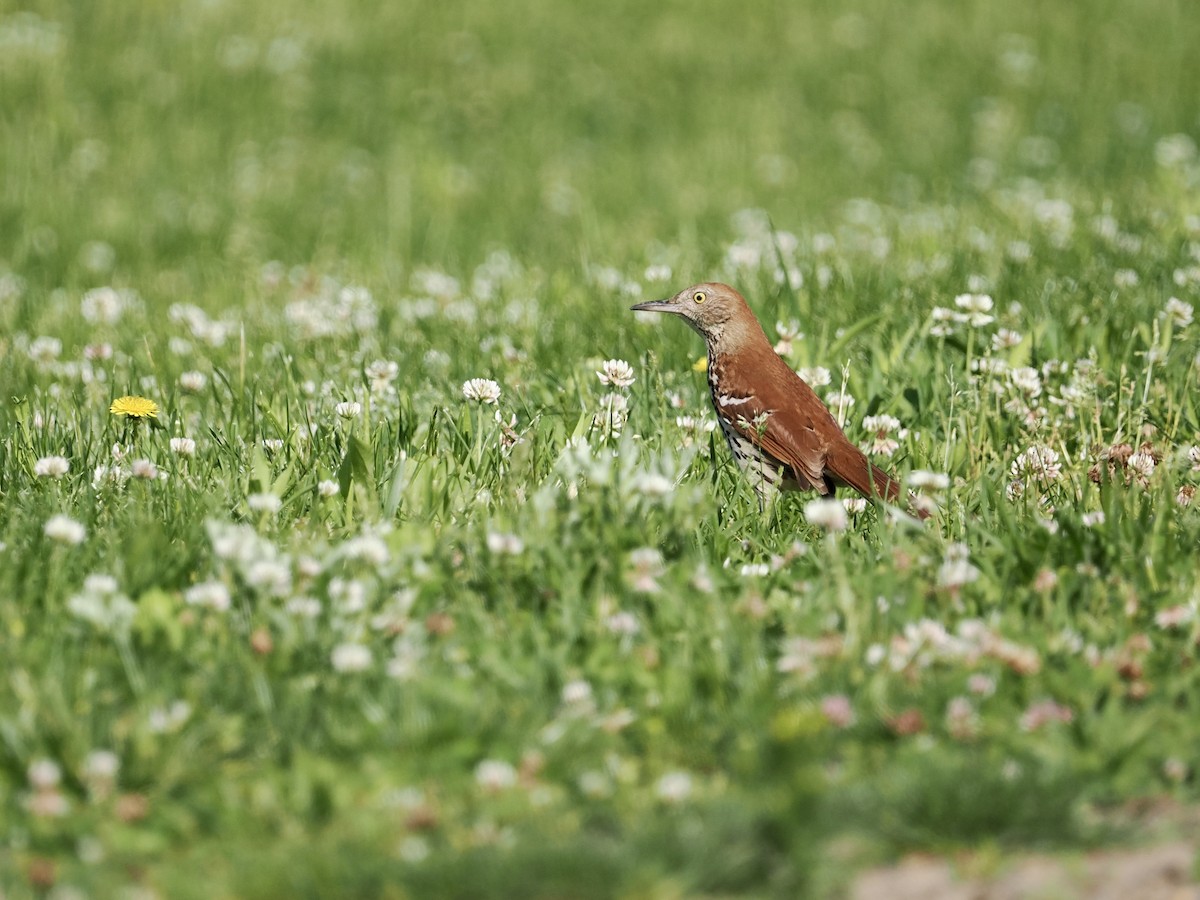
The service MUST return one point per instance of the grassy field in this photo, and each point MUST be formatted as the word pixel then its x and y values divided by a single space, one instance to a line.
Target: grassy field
pixel 339 622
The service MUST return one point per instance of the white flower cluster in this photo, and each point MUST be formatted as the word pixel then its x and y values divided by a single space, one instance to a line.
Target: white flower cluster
pixel 926 642
pixel 331 311
pixel 974 310
pixel 481 390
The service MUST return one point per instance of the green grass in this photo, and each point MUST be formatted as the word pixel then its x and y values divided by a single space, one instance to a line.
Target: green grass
pixel 571 683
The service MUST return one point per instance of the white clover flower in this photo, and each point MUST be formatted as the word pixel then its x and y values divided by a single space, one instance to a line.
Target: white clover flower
pixel 184 446
pixel 788 331
pixel 815 376
pixel 116 475
pixel 594 784
pixel 652 484
pixel 1174 616
pixel 211 594
pixel 1005 338
pixel 839 400
pixel 143 468
pixel 264 502
pixel 855 505
pixel 407 661
pixel 351 657
pixel 102 305
pixel 657 273
pixel 674 787
pixel 505 544
pixel 1175 769
pixel 977 308
pixel 272 445
pixel 51 804
pixel 1039 463
pixel 974 303
pixel 44 774
pixel 1175 151
pixel 1179 312
pixel 65 530
pixel 838 710
pixel 494 775
pixel 413 849
pixel 100 768
pixel 348 409
pixel 1126 278
pixel 623 623
pixel 924 503
pixel 981 685
pixel 45 349
pixel 436 284
pixel 328 488
pixel 481 390
pixel 881 428
pixel 826 513
pixel 881 423
pixel 100 351
pixel 193 382
pixel 100 583
pixel 164 719
pixel 743 255
pixel 1092 519
pixel 646 565
pixel 349 595
pixel 381 373
pixel 577 693
pixel 51 467
pixel 107 612
pixel 956 569
pixel 1027 380
pixel 1141 464
pixel 616 372
pixel 920 480
pixel 270 574
pixel 612 415
pixel 370 548
pixel 941 329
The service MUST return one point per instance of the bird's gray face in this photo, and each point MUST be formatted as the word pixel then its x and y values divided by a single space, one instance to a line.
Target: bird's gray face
pixel 705 307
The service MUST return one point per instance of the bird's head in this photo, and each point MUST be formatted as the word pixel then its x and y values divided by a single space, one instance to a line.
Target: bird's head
pixel 714 310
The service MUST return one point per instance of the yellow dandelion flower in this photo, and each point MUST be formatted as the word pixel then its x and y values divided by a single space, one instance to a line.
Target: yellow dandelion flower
pixel 700 365
pixel 134 408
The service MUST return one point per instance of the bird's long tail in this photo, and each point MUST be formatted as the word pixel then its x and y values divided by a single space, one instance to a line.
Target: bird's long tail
pixel 885 485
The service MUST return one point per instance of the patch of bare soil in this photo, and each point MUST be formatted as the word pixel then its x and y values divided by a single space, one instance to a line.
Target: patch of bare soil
pixel 1165 872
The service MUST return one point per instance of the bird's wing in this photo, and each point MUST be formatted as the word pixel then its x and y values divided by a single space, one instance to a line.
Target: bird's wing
pixel 806 437
pixel 790 435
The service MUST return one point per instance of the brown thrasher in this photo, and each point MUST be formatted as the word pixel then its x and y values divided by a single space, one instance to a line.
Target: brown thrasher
pixel 780 432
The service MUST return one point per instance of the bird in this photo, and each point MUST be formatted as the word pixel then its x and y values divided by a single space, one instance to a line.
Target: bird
pixel 781 434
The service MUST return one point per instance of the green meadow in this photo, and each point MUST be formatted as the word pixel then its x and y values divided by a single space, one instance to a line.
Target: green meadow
pixel 398 582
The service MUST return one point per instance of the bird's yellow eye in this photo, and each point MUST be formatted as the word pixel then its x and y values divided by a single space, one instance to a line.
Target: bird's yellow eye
pixel 699 296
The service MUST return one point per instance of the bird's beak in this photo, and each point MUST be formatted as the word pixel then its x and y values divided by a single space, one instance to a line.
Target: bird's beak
pixel 655 306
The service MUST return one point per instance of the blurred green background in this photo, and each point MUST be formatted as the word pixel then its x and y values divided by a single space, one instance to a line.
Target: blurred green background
pixel 1042 152
pixel 196 136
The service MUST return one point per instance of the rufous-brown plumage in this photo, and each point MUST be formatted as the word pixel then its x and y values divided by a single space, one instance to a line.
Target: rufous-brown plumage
pixel 780 432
